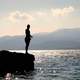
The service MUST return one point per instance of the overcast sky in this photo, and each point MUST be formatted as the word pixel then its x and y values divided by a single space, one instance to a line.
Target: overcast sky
pixel 43 15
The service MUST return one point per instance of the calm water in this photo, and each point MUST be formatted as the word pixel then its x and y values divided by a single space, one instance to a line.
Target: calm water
pixel 54 65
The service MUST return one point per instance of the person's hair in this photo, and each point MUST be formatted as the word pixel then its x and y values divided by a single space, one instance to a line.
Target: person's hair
pixel 28 26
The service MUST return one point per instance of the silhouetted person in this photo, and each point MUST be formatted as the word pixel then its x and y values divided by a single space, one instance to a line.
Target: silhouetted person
pixel 28 37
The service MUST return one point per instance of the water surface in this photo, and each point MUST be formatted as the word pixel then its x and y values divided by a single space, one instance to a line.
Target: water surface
pixel 54 65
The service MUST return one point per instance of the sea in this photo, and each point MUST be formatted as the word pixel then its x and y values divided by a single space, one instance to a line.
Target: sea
pixel 53 65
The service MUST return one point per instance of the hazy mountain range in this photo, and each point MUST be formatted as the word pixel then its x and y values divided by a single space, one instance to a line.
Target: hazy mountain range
pixel 60 39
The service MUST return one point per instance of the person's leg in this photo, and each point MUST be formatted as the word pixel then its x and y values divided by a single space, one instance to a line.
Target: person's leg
pixel 27 41
pixel 27 45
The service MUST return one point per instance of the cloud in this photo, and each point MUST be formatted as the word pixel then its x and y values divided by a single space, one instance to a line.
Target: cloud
pixel 62 12
pixel 46 15
pixel 19 16
pixel 39 13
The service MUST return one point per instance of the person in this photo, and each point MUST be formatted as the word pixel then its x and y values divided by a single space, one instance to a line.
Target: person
pixel 28 37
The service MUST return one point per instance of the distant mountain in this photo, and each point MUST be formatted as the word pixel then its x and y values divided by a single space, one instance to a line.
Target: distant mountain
pixel 60 39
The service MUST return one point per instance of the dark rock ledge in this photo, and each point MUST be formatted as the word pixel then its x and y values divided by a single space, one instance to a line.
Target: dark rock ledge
pixel 15 62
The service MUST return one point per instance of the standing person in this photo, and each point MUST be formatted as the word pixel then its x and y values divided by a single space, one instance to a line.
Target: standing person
pixel 28 37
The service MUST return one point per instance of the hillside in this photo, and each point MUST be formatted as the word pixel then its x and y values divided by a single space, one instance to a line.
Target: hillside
pixel 60 39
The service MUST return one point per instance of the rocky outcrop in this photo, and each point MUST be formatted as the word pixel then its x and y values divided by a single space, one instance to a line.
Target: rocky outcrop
pixel 15 62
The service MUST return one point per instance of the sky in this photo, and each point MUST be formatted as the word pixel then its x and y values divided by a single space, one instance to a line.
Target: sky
pixel 42 15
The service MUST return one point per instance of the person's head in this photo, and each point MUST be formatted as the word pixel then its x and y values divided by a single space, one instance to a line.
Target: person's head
pixel 28 26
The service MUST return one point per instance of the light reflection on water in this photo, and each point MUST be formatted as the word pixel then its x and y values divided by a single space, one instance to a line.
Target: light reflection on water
pixel 54 65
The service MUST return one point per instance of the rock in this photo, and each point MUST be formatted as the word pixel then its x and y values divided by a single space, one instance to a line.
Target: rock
pixel 12 62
